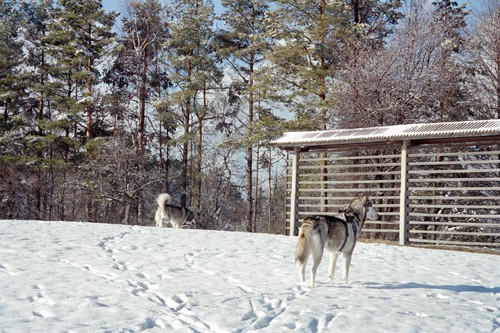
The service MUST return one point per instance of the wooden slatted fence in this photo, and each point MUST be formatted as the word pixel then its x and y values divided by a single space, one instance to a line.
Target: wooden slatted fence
pixel 327 180
pixel 454 192
pixel 451 194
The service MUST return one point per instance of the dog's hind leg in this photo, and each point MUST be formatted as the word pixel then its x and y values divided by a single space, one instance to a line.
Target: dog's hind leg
pixel 302 253
pixel 158 219
pixel 331 266
pixel 317 251
pixel 347 263
pixel 316 262
pixel 301 261
pixel 302 269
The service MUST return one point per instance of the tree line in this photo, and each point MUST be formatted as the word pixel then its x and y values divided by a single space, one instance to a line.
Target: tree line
pixel 100 112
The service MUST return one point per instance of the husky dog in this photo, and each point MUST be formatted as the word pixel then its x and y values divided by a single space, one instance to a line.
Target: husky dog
pixel 174 215
pixel 337 235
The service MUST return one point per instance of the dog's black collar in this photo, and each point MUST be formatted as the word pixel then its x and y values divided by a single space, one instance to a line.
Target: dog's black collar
pixel 350 219
pixel 346 235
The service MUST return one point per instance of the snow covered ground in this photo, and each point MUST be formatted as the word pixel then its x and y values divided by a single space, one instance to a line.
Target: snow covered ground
pixel 82 277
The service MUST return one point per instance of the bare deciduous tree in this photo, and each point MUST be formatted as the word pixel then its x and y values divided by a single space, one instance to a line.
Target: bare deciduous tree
pixel 415 78
pixel 486 53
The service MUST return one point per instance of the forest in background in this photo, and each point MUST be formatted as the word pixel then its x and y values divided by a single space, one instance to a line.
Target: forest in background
pixel 100 112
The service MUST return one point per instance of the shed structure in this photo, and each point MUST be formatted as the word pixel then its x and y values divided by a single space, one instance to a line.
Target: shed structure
pixel 434 183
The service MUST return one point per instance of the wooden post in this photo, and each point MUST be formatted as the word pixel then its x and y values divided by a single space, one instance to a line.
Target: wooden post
pixel 403 199
pixel 294 200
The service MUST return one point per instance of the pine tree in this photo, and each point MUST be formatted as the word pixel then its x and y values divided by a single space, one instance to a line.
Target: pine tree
pixel 85 33
pixel 243 44
pixel 376 19
pixel 38 61
pixel 453 21
pixel 188 47
pixel 144 32
pixel 80 35
pixel 308 39
pixel 11 56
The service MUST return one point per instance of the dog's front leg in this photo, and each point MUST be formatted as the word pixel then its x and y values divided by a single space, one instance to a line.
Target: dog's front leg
pixel 331 266
pixel 347 263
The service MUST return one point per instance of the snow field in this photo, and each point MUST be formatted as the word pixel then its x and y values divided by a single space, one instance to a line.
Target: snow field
pixel 83 277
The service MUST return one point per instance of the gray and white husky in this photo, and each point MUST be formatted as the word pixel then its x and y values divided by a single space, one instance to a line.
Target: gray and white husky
pixel 336 234
pixel 175 215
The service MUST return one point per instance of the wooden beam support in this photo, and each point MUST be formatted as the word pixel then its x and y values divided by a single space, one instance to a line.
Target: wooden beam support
pixel 294 195
pixel 403 200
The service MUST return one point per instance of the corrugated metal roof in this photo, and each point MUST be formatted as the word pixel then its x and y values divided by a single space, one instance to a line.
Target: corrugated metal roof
pixel 390 133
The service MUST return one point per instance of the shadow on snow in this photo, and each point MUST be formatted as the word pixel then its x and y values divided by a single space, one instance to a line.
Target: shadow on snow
pixel 413 285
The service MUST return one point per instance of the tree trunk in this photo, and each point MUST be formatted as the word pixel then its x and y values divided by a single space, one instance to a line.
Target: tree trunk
pixel 62 198
pixel 269 192
pixel 90 106
pixel 256 199
pixel 185 150
pixel 41 100
pixel 142 105
pixel 249 156
pixel 126 216
pixel 185 154
pixel 498 81
pixel 201 116
pixel 89 208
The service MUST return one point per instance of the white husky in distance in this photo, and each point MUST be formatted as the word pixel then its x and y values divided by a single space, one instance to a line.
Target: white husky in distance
pixel 335 234
pixel 175 215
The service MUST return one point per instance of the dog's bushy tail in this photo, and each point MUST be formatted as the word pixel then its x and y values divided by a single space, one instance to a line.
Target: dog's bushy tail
pixel 303 244
pixel 162 199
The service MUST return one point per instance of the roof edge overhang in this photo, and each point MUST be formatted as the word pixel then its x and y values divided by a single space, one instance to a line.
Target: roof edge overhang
pixel 480 130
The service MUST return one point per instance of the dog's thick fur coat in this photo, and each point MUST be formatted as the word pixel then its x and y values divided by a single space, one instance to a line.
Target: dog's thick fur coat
pixel 336 234
pixel 166 213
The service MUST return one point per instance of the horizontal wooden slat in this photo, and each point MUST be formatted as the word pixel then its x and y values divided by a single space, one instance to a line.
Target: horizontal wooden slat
pixel 346 158
pixel 454 206
pixel 380 230
pixel 442 180
pixel 344 166
pixel 346 199
pixel 455 215
pixel 370 222
pixel 447 154
pixel 412 163
pixel 461 233
pixel 345 190
pixel 429 241
pixel 344 182
pixel 342 206
pixel 459 171
pixel 456 224
pixel 316 212
pixel 349 193
pixel 445 198
pixel 461 189
pixel 350 174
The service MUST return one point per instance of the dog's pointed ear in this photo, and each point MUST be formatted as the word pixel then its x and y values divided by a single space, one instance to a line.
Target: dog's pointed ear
pixel 346 211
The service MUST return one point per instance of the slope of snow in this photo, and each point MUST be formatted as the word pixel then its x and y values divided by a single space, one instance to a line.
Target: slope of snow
pixel 82 277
